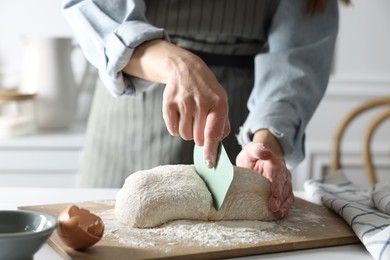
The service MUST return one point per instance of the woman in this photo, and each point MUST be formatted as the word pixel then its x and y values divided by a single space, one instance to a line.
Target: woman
pixel 190 68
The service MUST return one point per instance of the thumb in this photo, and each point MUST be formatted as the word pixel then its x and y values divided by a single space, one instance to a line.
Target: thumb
pixel 265 155
pixel 258 151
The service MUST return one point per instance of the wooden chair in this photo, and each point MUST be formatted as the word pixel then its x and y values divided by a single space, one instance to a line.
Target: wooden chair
pixel 367 139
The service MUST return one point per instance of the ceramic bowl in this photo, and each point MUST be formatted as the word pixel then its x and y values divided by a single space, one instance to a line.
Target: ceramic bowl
pixel 23 232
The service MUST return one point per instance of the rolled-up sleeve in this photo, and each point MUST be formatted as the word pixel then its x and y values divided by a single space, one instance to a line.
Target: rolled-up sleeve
pixel 108 32
pixel 291 78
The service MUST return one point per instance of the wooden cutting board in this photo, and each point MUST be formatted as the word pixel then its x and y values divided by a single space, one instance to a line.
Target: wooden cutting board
pixel 306 226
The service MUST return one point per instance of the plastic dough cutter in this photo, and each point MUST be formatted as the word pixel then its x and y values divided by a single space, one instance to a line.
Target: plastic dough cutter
pixel 217 179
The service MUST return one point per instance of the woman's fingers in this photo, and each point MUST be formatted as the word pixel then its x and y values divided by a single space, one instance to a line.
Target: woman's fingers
pixel 192 120
pixel 199 124
pixel 213 135
pixel 227 128
pixel 186 120
pixel 283 209
pixel 281 179
pixel 171 117
pixel 282 195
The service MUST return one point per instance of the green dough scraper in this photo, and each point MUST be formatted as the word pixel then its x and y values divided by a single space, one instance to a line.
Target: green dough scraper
pixel 217 179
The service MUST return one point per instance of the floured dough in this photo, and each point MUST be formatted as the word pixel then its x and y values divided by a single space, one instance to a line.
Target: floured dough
pixel 152 197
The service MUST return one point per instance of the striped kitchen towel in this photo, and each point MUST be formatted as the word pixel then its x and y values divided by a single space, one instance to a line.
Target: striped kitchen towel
pixel 366 210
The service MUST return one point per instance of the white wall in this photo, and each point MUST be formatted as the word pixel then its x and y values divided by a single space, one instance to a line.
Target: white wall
pixel 361 72
pixel 364 40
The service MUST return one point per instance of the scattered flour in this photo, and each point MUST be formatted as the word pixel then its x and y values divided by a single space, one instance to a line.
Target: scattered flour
pixel 211 234
pixel 196 233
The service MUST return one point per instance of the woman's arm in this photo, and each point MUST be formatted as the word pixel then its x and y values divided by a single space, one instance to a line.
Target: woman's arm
pixel 195 105
pixel 291 78
pixel 108 33
pixel 117 38
pixel 290 81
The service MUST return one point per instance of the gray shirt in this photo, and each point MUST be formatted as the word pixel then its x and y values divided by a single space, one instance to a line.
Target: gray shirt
pixel 293 51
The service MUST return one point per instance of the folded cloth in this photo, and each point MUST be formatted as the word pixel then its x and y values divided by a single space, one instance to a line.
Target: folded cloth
pixel 381 197
pixel 366 210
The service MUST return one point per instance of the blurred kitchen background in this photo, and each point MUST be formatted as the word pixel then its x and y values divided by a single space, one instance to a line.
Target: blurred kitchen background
pixel 49 155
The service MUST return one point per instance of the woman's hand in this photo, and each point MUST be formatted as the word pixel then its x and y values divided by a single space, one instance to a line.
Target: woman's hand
pixel 195 105
pixel 271 165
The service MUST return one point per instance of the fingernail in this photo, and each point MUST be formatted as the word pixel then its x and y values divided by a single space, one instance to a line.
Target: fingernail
pixel 209 163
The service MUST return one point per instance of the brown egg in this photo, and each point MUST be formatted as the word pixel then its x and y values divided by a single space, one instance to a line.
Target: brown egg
pixel 78 228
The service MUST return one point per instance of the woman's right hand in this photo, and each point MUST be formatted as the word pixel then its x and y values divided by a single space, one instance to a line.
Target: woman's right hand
pixel 195 105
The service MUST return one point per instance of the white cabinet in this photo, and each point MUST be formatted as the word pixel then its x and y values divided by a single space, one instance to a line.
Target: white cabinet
pixel 44 159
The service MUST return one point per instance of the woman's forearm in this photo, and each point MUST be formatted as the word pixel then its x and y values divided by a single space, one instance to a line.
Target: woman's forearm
pixel 157 60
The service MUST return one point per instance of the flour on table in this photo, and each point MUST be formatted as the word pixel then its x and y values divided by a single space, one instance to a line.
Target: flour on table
pixel 210 234
pixel 175 192
pixel 194 232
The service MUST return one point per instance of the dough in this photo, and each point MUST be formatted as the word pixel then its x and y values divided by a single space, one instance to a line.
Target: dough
pixel 153 197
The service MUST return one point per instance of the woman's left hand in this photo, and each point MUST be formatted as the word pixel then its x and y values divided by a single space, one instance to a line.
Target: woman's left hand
pixel 257 157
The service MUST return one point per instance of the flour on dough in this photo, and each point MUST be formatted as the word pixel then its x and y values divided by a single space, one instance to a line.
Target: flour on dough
pixel 156 196
pixel 153 197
